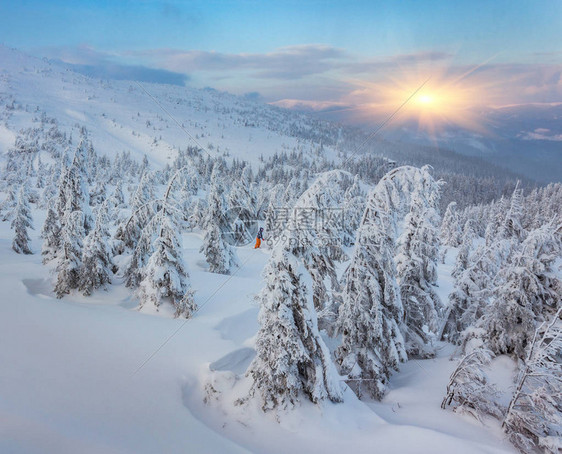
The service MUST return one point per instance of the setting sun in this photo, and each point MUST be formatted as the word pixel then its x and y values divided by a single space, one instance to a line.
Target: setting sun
pixel 424 99
pixel 443 99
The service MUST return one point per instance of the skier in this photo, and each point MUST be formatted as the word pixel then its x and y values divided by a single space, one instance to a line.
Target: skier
pixel 259 238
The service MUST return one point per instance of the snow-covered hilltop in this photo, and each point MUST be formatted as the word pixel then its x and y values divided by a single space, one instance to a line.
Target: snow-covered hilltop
pixel 123 115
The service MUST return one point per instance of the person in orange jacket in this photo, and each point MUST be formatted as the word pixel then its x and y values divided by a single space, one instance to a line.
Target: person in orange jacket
pixel 259 238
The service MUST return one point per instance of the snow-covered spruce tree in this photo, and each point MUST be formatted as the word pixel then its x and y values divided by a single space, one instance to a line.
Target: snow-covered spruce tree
pixel 466 247
pixel 242 205
pixel 197 212
pixel 511 226
pixel 21 222
pixel 8 204
pixel 372 312
pixel 354 205
pixel 183 199
pixel 291 360
pixel 217 252
pixel 498 213
pixel 51 234
pixel 416 265
pixel 475 283
pixel 98 194
pixel 318 227
pixel 96 258
pixel 241 194
pixel 275 213
pixel 291 194
pixel 70 261
pixel 157 266
pixel 117 198
pixel 469 390
pixel 73 194
pixel 527 289
pixel 144 192
pixel 165 278
pixel 469 297
pixel 129 232
pixel 50 192
pixel 533 419
pixel 220 255
pixel 451 229
pixel 369 318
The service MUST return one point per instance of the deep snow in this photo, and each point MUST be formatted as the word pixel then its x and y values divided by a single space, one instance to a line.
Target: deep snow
pixel 72 379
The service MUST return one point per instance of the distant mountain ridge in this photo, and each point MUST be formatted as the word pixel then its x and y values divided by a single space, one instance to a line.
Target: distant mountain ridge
pixel 158 119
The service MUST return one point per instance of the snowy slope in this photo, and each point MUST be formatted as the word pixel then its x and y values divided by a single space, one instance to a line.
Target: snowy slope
pixel 151 119
pixel 71 381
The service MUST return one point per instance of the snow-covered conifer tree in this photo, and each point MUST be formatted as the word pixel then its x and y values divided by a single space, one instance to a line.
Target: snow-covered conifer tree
pixel 144 192
pixel 291 359
pixel 533 419
pixel 416 265
pixel 527 288
pixel 129 232
pixel 197 212
pixel 98 194
pixel 469 390
pixel 216 250
pixel 165 278
pixel 511 226
pixel 8 204
pixel 220 255
pixel 21 222
pixel 317 223
pixel 117 198
pixel 276 215
pixel 354 205
pixel 51 234
pixel 469 297
pixel 498 213
pixel 451 229
pixel 466 247
pixel 73 193
pixel 241 194
pixel 96 257
pixel 372 343
pixel 242 204
pixel 70 262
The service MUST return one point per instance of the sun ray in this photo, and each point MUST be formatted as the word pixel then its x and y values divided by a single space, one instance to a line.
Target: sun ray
pixel 448 99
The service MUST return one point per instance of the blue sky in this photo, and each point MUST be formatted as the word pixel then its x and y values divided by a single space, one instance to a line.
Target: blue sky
pixel 315 51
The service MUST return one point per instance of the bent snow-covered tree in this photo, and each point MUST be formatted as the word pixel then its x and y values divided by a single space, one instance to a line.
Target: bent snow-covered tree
pixel 164 277
pixel 533 419
pixel 317 223
pixel 369 318
pixel 469 390
pixel 416 265
pixel 528 290
pixel 291 359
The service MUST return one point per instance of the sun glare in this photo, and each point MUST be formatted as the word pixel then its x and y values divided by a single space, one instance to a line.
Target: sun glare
pixel 425 99
pixel 444 100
